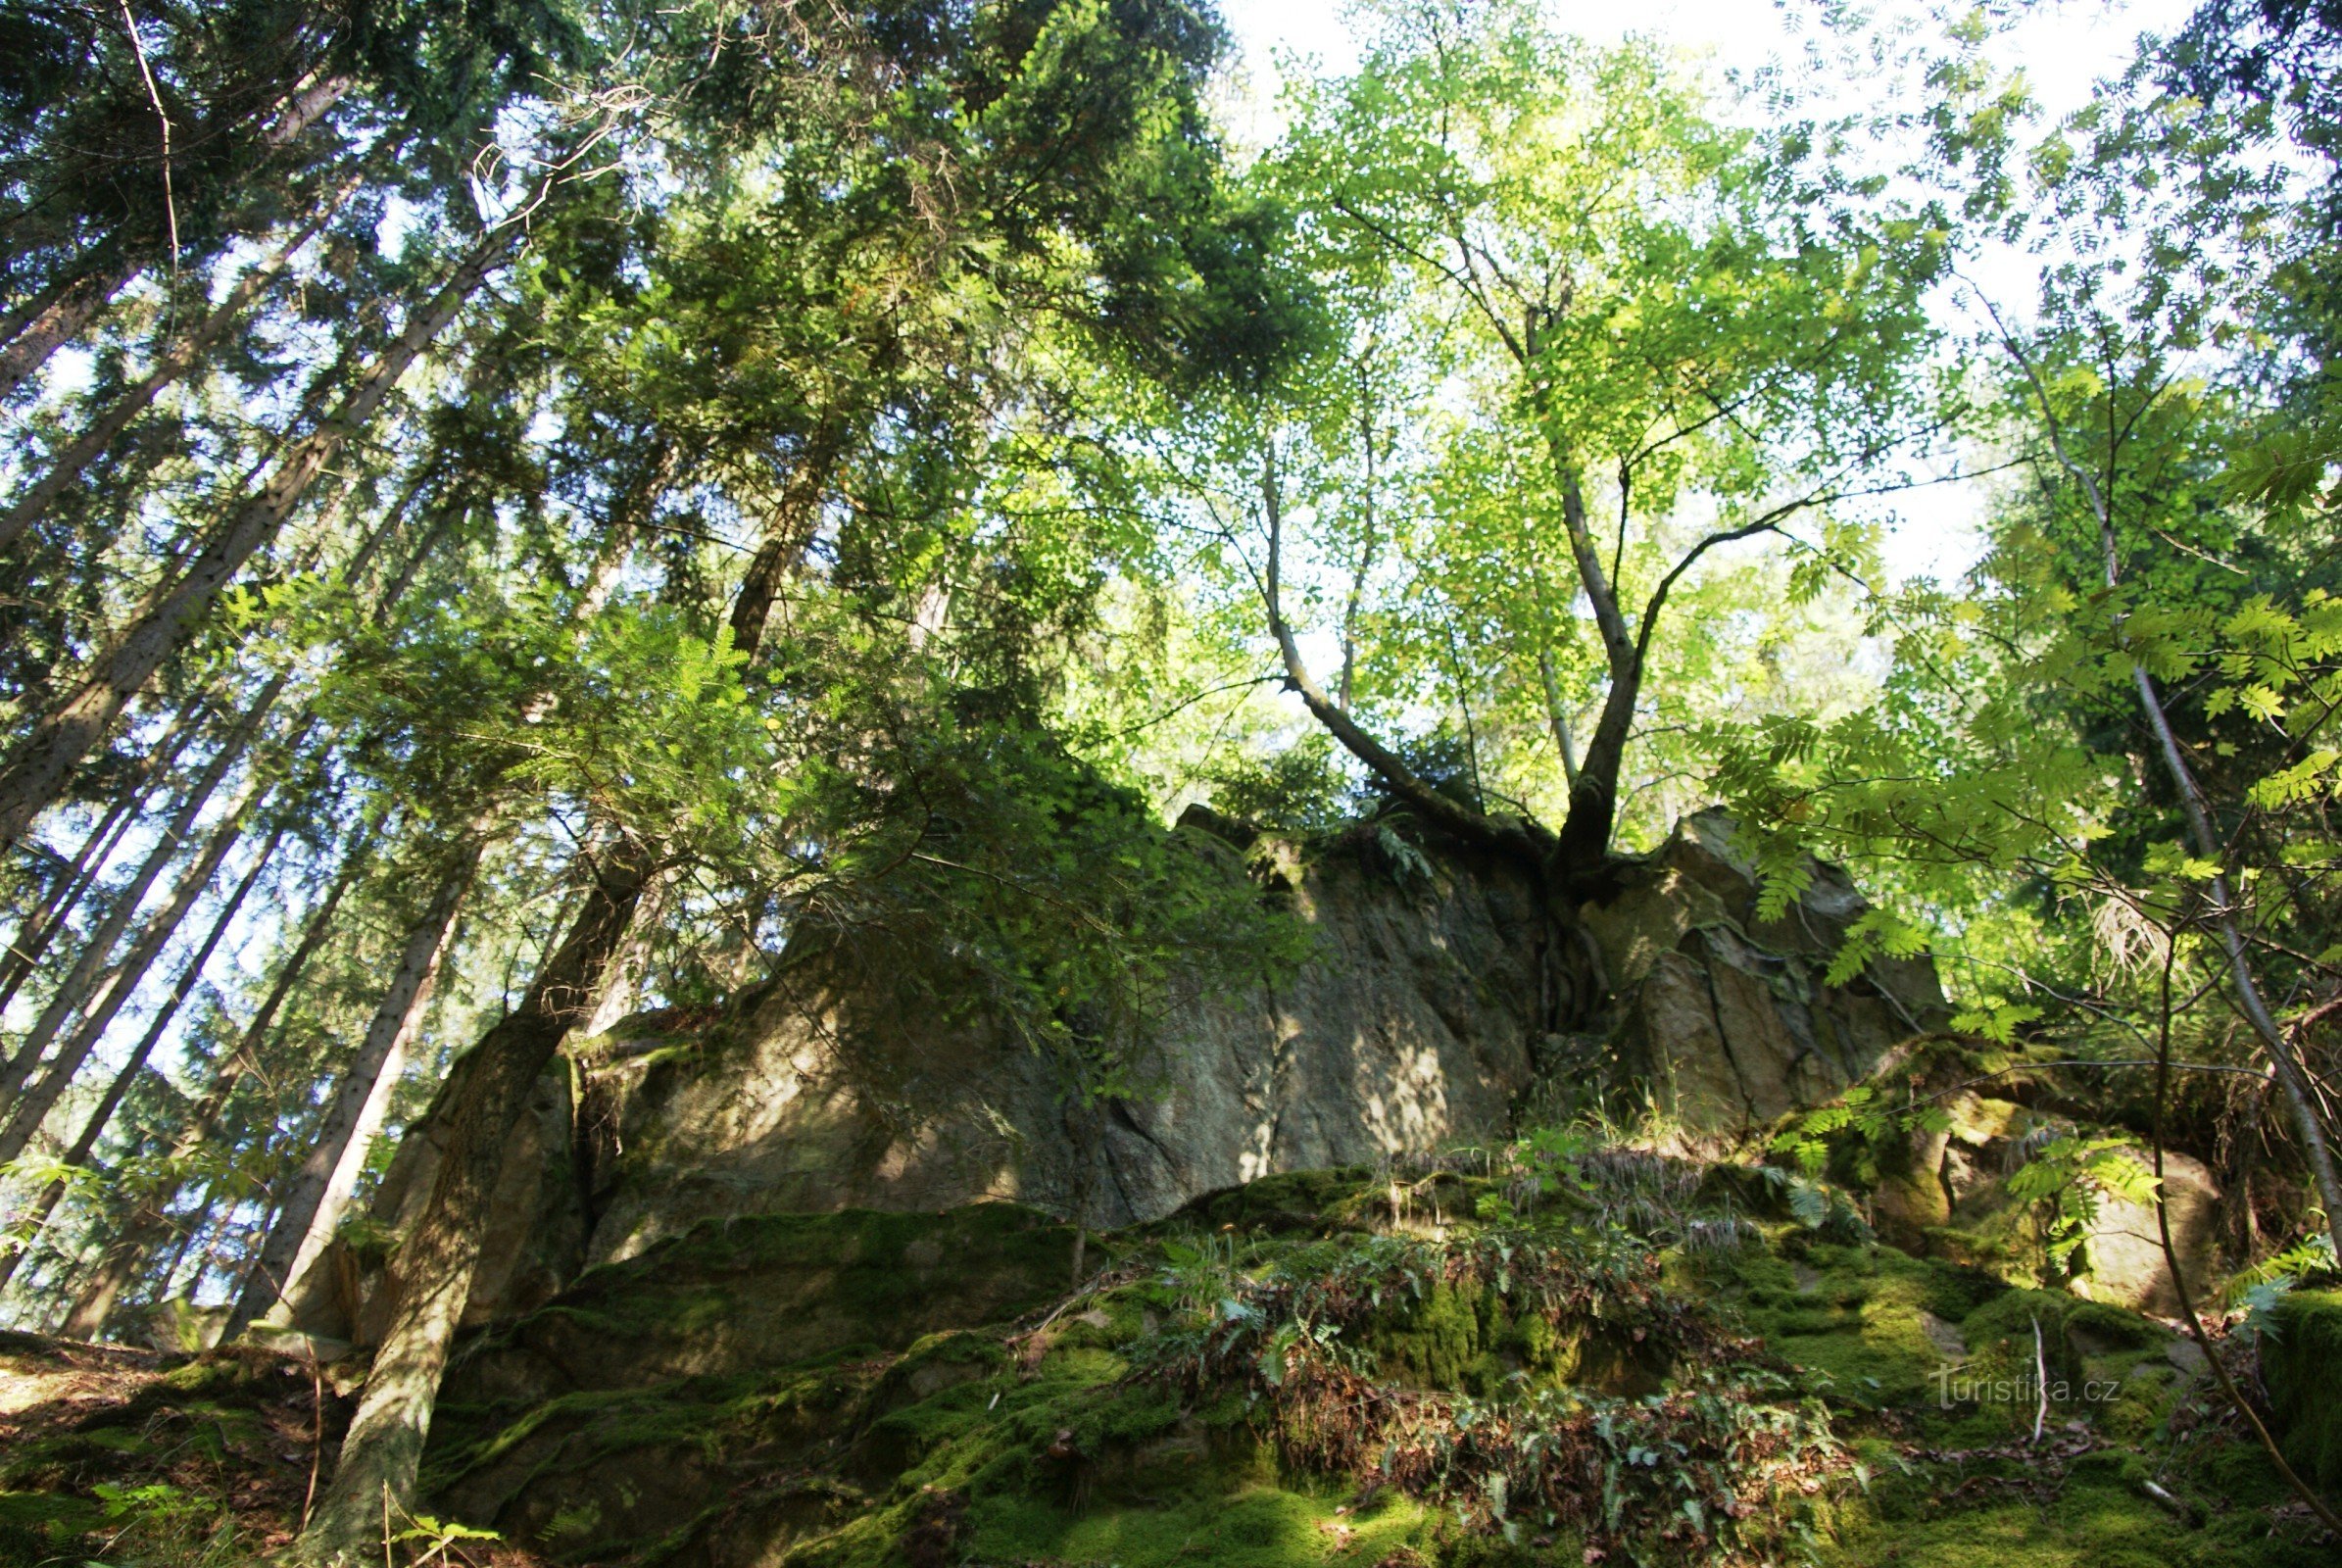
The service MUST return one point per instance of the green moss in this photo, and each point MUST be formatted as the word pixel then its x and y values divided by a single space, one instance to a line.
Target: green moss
pixel 1469 1338
pixel 864 1391
pixel 2100 1518
pixel 45 1528
pixel 2301 1361
pixel 1282 1199
pixel 1870 1321
pixel 1241 1522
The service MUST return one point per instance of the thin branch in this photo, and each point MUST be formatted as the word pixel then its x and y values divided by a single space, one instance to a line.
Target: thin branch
pixel 171 206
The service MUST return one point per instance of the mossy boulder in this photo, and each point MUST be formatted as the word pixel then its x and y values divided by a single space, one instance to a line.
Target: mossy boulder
pixel 2300 1362
pixel 1294 1374
pixel 768 1290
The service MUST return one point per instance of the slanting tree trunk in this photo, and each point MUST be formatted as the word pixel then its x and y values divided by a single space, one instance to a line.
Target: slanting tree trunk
pixel 29 943
pixel 788 533
pixel 67 464
pixel 48 915
pixel 311 1207
pixel 63 320
pixel 128 811
pixel 34 1106
pixel 45 760
pixel 95 1127
pixel 150 1223
pixel 2317 1152
pixel 15 320
pixel 438 1259
pixel 1452 816
pixel 74 989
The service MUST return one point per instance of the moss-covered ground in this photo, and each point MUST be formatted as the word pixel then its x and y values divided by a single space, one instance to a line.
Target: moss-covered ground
pixel 1340 1368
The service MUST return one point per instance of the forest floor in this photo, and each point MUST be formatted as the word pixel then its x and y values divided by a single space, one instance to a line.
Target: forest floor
pixel 1336 1368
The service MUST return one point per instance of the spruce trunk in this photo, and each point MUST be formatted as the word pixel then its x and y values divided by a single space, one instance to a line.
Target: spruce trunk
pixel 438 1259
pixel 45 760
pixel 173 362
pixel 34 1106
pixel 62 320
pixel 150 1224
pixel 312 1205
pixel 75 990
pixel 95 1127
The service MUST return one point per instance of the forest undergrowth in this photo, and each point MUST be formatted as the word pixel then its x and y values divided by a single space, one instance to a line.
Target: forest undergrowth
pixel 1562 1351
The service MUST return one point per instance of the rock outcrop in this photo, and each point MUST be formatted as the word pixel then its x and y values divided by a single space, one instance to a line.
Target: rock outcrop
pixel 1419 1020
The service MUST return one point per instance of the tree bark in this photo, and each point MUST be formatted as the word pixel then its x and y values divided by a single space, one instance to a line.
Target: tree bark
pixel 34 1106
pixel 95 1127
pixel 150 1223
pixel 1585 837
pixel 41 924
pixel 61 322
pixel 74 989
pixel 436 1264
pixel 1583 841
pixel 787 535
pixel 173 362
pixel 311 1207
pixel 46 759
pixel 17 316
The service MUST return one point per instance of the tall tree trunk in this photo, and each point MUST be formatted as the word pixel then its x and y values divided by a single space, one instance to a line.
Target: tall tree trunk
pixel 440 1257
pixel 1584 842
pixel 62 320
pixel 45 760
pixel 66 465
pixel 34 1106
pixel 788 533
pixel 41 924
pixel 128 809
pixel 150 1223
pixel 95 1127
pixel 15 320
pixel 73 991
pixel 311 1207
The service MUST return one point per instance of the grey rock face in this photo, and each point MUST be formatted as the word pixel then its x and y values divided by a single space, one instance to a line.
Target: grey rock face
pixel 1411 1026
pixel 1419 1020
pixel 1724 1017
